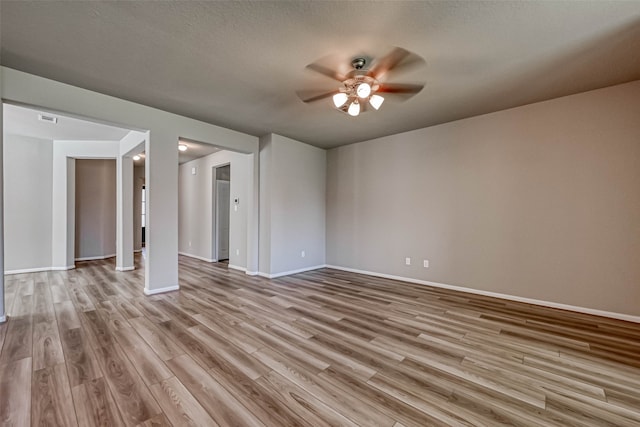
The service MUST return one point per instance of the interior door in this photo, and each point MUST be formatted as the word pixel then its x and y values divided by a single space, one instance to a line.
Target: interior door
pixel 222 219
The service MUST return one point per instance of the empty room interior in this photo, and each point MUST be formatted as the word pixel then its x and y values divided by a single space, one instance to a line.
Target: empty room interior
pixel 292 213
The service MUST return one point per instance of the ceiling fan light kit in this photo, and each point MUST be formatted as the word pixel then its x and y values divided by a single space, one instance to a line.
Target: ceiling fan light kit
pixel 363 90
pixel 376 101
pixel 361 87
pixel 354 108
pixel 339 99
pixel 357 90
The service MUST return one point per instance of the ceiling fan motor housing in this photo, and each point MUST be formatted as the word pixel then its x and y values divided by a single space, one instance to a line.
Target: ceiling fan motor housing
pixel 358 63
pixel 351 84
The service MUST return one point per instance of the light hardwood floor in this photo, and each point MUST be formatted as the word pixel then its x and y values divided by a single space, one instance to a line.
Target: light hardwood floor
pixel 86 347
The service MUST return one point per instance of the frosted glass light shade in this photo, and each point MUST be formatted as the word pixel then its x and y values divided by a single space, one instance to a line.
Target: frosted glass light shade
pixel 182 147
pixel 354 109
pixel 339 99
pixel 376 101
pixel 363 90
pixel 136 157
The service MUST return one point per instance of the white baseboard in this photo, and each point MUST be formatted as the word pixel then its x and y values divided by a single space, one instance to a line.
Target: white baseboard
pixel 94 258
pixel 287 273
pixel 3 319
pixel 28 270
pixel 237 267
pixel 137 250
pixel 125 268
pixel 161 290
pixel 251 273
pixel 201 258
pixel 39 269
pixel 63 268
pixel 592 311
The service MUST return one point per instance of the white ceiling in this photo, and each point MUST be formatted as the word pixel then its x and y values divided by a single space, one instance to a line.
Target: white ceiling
pixel 238 64
pixel 20 120
pixel 195 150
pixel 24 121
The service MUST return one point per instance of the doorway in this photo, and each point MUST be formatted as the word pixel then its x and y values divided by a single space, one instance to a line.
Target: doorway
pixel 222 194
pixel 214 206
pixel 95 209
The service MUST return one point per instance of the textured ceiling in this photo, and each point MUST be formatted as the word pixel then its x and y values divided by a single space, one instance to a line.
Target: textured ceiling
pixel 238 64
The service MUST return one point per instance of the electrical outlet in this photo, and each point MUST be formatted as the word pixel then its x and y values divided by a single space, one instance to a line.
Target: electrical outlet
pixel 189 243
pixel 425 263
pixel 302 254
pixel 237 251
pixel 407 261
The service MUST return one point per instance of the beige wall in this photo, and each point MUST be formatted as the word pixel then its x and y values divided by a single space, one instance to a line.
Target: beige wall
pixel 541 201
pixel 95 203
pixel 292 205
pixel 196 201
pixel 27 202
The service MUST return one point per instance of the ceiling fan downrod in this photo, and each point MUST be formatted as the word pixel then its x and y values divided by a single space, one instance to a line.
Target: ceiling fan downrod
pixel 358 63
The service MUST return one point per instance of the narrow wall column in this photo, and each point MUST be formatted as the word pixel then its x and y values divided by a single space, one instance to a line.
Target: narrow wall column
pixel 63 210
pixel 70 253
pixel 3 315
pixel 161 183
pixel 124 216
pixel 253 214
pixel 264 205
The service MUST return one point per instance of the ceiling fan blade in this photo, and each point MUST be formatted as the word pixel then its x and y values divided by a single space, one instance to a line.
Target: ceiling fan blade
pixel 325 71
pixel 389 61
pixel 311 96
pixel 405 88
pixel 409 63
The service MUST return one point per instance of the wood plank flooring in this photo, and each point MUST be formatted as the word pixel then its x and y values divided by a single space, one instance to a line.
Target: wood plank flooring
pixel 85 347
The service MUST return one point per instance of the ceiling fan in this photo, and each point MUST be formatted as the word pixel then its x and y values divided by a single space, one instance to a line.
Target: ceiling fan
pixel 364 85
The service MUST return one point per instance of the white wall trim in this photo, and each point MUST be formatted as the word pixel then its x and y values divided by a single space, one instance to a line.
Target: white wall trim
pixel 39 269
pixel 201 258
pixel 287 273
pixel 137 250
pixel 63 268
pixel 585 310
pixel 237 267
pixel 28 270
pixel 251 273
pixel 161 290
pixel 125 268
pixel 93 258
pixel 3 319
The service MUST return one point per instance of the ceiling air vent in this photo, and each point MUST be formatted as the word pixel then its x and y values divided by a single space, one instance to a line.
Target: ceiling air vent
pixel 48 119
